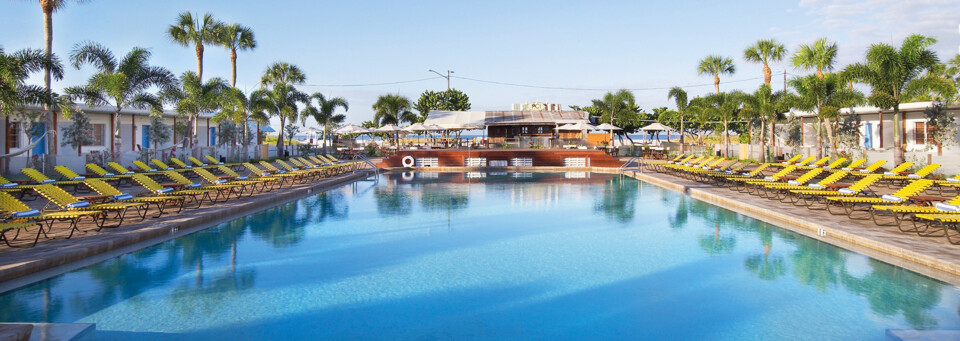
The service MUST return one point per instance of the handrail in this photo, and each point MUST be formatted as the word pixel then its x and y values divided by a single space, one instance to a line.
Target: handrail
pixel 367 161
pixel 639 161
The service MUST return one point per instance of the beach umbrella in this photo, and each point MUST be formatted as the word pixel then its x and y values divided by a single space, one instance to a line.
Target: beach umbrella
pixel 577 126
pixel 418 128
pixel 351 129
pixel 390 128
pixel 608 126
pixel 656 127
pixel 267 129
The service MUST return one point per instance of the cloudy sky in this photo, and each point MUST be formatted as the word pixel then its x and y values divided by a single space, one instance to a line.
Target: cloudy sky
pixel 564 52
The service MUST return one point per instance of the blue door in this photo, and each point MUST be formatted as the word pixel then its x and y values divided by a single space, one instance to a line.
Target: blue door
pixel 213 136
pixel 41 147
pixel 145 136
pixel 868 136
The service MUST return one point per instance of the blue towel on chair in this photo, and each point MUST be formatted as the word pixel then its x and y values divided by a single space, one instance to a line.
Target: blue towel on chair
pixel 25 214
pixel 79 204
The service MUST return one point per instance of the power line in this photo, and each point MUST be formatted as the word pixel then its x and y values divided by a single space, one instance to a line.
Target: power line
pixel 372 84
pixel 595 89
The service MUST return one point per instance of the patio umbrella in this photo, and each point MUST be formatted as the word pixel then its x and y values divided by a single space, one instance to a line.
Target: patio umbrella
pixel 434 127
pixel 657 127
pixel 579 126
pixel 267 129
pixel 390 128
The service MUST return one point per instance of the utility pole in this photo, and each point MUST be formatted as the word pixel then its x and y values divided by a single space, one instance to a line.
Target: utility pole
pixel 441 75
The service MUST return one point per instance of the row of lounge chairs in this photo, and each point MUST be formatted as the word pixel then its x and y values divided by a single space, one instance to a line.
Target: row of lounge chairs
pixel 840 190
pixel 162 188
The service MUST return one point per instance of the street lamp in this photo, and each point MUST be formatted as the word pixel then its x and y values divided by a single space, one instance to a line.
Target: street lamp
pixel 441 75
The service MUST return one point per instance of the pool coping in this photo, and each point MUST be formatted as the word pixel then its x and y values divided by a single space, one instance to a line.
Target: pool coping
pixel 899 256
pixel 68 255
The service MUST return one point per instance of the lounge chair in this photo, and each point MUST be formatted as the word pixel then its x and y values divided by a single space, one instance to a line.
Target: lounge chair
pixel 161 202
pixel 900 178
pixel 244 185
pixel 816 164
pixel 871 169
pixel 809 159
pixel 294 175
pixel 778 190
pixel 747 185
pixel 104 174
pixel 223 190
pixel 810 197
pixel 39 178
pixel 144 167
pixel 66 201
pixel 180 164
pixel 17 212
pixel 853 204
pixel 161 166
pixel 855 165
pixel 197 196
pixel 268 181
pixel 792 160
pixel 120 169
pixel 13 187
pixel 836 163
pixel 947 222
pixel 69 174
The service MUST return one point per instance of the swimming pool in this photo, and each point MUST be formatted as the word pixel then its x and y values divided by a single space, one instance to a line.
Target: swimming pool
pixel 494 256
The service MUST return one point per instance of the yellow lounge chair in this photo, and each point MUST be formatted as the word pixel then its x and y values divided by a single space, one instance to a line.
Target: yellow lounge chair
pixel 948 223
pixel 223 191
pixel 67 202
pixel 39 178
pixel 18 212
pixel 196 195
pixel 851 204
pixel 792 160
pixel 161 202
pixel 244 185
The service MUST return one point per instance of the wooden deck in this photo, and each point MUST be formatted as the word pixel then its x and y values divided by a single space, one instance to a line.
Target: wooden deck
pixel 539 157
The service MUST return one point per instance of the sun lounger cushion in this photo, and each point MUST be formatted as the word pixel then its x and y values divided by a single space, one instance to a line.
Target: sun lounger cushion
pixel 947 207
pixel 241 178
pixel 890 197
pixel 221 181
pixel 827 167
pixel 123 196
pixel 109 174
pixel 187 166
pixel 152 170
pixel 769 178
pixel 164 190
pixel 815 186
pixel 745 174
pixel 24 214
pixel 219 163
pixel 168 168
pixel 953 180
pixel 864 171
pixel 48 181
pixel 78 178
pixel 10 185
pixel 203 164
pixel 889 173
pixel 915 176
pixel 129 172
pixel 846 191
pixel 79 204
pixel 193 186
pixel 793 182
pixel 846 169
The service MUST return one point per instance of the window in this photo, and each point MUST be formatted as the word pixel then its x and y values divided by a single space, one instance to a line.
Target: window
pixel 540 130
pixel 920 132
pixel 98 134
pixel 13 135
pixel 524 130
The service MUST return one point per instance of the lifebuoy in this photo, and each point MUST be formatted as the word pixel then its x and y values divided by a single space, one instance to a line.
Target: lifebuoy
pixel 407 176
pixel 407 161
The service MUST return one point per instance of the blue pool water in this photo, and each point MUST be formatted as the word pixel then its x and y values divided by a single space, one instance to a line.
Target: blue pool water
pixel 492 256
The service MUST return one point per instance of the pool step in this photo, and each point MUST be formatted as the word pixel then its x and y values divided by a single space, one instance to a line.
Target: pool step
pixel 925 335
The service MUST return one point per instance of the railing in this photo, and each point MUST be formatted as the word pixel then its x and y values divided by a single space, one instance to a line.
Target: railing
pixel 367 161
pixel 637 159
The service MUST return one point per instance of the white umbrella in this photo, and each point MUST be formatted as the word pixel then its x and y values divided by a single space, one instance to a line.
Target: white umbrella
pixel 608 126
pixel 351 129
pixel 657 127
pixel 577 126
pixel 434 127
pixel 416 127
pixel 390 128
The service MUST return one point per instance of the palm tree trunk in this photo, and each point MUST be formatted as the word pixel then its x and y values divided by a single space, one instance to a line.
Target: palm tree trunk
pixel 819 139
pixel 897 139
pixel 233 68
pixel 830 138
pixel 763 140
pixel 681 132
pixel 716 82
pixel 324 138
pixel 116 134
pixel 200 62
pixel 280 137
pixel 47 6
pixel 767 74
pixel 246 140
pixel 773 135
pixel 726 137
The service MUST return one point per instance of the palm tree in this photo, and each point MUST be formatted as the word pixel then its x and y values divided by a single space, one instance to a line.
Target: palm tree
pixel 392 109
pixel 820 56
pixel 824 97
pixel 325 114
pixel 716 65
pixel 726 107
pixel 15 68
pixel 235 37
pixel 616 104
pixel 240 108
pixel 197 31
pixel 125 83
pixel 194 97
pixel 764 51
pixel 680 97
pixel 281 101
pixel 765 105
pixel 282 73
pixel 890 71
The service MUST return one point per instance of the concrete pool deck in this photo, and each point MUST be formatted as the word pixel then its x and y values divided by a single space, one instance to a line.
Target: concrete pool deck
pixel 22 266
pixel 931 256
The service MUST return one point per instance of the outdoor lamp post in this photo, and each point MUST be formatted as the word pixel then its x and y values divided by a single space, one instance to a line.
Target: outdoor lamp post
pixel 441 75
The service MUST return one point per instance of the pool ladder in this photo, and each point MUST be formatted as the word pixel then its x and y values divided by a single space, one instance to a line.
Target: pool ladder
pixel 637 159
pixel 364 159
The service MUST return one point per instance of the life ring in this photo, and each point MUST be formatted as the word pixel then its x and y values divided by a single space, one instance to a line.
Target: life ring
pixel 407 161
pixel 407 176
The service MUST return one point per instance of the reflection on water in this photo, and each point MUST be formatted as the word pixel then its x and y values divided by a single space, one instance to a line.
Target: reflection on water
pixel 293 245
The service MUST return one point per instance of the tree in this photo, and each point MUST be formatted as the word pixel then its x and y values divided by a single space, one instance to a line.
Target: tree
pixel 79 133
pixel 679 97
pixel 824 97
pixel 49 7
pixel 159 131
pixel 613 105
pixel 764 51
pixel 238 108
pixel 125 83
pixel 235 37
pixel 198 31
pixel 820 56
pixel 15 68
pixel 889 71
pixel 392 109
pixel 766 106
pixel 716 65
pixel 941 126
pixel 325 113
pixel 281 101
pixel 726 106
pixel 194 97
pixel 448 100
pixel 282 73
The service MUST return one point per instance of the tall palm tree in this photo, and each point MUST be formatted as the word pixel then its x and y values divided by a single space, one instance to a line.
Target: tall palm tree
pixel 240 108
pixel 680 98
pixel 764 51
pixel 281 101
pixel 616 104
pixel 194 97
pixel 820 56
pixel 282 73
pixel 716 65
pixel 15 68
pixel 126 82
pixel 765 105
pixel 824 97
pixel 392 109
pixel 325 113
pixel 49 7
pixel 235 37
pixel 726 106
pixel 197 31
pixel 889 71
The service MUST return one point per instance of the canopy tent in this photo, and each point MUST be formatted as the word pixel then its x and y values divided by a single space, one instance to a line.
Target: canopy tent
pixel 456 120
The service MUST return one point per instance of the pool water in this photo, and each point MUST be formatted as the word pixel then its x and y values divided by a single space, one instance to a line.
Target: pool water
pixel 492 256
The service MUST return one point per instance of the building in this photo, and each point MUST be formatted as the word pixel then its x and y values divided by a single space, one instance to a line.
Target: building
pixel 524 126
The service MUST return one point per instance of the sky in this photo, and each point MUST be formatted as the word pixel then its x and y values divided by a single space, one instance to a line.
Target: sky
pixel 584 47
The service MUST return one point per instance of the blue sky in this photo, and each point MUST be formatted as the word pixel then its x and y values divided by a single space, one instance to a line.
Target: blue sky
pixel 597 44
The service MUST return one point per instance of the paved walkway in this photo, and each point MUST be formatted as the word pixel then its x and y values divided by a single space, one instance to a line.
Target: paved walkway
pixel 931 256
pixel 19 266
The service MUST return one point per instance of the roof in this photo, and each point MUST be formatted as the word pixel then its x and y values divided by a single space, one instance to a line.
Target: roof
pixel 125 111
pixel 479 119
pixel 865 110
